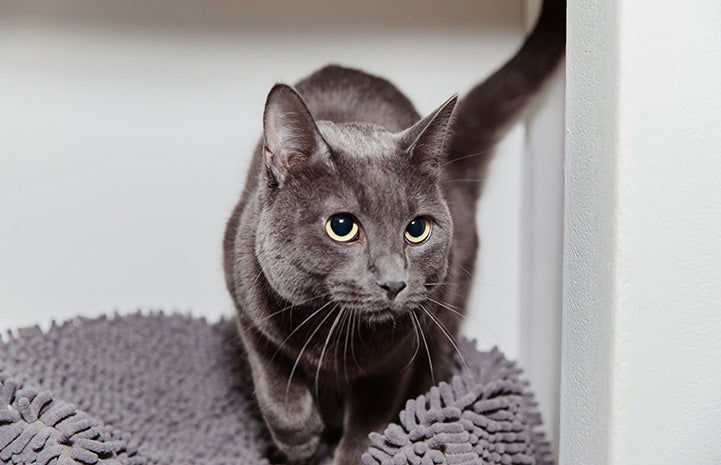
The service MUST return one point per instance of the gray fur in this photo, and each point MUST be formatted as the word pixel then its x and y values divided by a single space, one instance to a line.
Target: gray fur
pixel 324 335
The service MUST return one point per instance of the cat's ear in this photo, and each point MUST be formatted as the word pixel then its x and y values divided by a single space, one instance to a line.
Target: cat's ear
pixel 291 137
pixel 427 140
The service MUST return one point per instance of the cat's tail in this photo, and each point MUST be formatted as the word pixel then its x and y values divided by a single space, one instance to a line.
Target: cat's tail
pixel 484 114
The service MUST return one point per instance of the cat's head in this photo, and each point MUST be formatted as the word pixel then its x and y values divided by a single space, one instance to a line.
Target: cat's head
pixel 351 213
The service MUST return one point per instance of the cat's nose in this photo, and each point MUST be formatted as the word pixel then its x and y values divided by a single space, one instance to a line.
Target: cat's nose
pixel 393 288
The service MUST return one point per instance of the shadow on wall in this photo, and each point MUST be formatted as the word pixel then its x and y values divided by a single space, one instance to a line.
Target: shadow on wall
pixel 222 16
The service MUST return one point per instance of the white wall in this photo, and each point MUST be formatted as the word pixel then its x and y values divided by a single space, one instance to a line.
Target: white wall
pixel 642 268
pixel 125 133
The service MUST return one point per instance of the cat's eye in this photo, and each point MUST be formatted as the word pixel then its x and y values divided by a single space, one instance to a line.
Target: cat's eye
pixel 418 230
pixel 342 228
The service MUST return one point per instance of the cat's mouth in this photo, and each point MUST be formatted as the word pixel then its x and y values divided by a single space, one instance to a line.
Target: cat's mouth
pixel 377 311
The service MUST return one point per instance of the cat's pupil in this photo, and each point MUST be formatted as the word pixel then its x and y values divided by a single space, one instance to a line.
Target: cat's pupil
pixel 416 227
pixel 342 225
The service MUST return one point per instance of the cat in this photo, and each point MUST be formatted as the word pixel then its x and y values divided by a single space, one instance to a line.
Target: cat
pixel 350 253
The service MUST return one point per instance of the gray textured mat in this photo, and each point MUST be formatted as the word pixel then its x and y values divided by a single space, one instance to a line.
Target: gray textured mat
pixel 175 390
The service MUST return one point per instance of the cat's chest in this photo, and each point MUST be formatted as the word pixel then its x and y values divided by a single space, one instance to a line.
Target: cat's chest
pixel 338 344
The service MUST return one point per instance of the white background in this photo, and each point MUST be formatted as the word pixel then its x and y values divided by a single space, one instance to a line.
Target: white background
pixel 126 129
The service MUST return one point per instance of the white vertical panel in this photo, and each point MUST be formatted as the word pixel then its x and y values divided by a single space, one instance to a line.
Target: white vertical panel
pixel 542 251
pixel 642 265
pixel 591 96
pixel 541 243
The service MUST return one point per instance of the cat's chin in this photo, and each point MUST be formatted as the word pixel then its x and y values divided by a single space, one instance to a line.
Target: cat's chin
pixel 379 314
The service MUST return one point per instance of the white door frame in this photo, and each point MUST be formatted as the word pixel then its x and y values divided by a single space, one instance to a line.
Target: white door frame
pixel 641 344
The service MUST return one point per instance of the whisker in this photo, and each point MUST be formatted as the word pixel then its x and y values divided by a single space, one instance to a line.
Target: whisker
pixel 260 272
pixel 471 155
pixel 464 157
pixel 480 283
pixel 448 336
pixel 280 346
pixel 325 346
pixel 345 347
pixel 462 316
pixel 452 308
pixel 337 344
pixel 352 344
pixel 267 317
pixel 446 304
pixel 300 354
pixel 418 343
pixel 425 343
pixel 470 275
pixel 431 175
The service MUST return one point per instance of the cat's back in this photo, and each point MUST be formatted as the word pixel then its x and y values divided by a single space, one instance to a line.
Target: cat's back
pixel 339 94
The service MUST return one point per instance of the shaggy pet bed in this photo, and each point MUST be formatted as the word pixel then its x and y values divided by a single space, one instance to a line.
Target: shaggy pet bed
pixel 157 389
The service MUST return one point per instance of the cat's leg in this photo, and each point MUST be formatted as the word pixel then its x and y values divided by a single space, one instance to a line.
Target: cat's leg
pixel 371 404
pixel 287 405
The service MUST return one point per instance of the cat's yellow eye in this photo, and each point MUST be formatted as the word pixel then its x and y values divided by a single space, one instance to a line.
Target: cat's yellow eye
pixel 418 230
pixel 342 228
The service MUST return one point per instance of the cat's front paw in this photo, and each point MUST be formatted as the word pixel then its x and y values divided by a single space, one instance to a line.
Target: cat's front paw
pixel 298 444
pixel 298 452
pixel 297 437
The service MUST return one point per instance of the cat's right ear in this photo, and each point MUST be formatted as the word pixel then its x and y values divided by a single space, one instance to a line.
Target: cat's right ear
pixel 291 137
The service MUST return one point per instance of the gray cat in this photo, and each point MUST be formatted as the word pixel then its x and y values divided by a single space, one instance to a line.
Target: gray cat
pixel 349 256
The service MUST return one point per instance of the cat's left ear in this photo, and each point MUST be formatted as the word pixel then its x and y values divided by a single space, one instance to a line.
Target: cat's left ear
pixel 427 140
